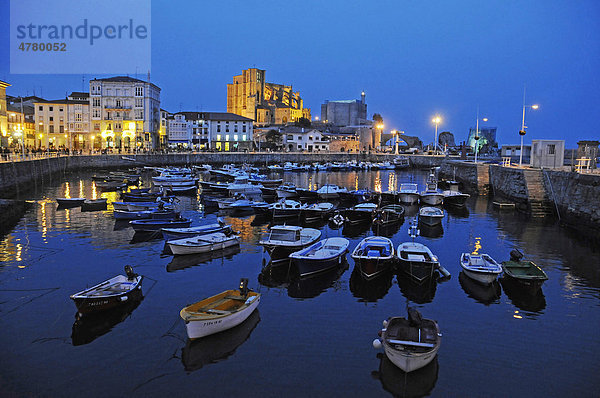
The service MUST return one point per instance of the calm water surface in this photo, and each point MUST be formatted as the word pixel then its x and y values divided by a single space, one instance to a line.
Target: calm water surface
pixel 310 337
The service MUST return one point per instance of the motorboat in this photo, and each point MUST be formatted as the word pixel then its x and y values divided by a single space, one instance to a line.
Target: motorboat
pixel 180 233
pixel 286 191
pixel 282 240
pixel 286 209
pixel 401 162
pixel 431 215
pixel 155 225
pixel 408 194
pixel 453 197
pixel 110 185
pixel 330 191
pixel 317 211
pixel 70 202
pixel 417 260
pixel 108 294
pixel 361 213
pixel 373 256
pixel 220 312
pixel 358 196
pixel 94 204
pixel 431 195
pixel 526 273
pixel 203 243
pixel 389 196
pixel 307 195
pixel 388 215
pixel 410 343
pixel 480 267
pixel 321 256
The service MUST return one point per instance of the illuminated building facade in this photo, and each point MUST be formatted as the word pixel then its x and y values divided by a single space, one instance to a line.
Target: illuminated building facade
pixel 21 124
pixel 125 113
pixel 3 117
pixel 265 103
pixel 62 123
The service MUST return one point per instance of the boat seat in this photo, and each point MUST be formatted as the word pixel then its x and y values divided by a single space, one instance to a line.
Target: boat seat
pixel 373 253
pixel 412 343
pixel 236 298
pixel 220 312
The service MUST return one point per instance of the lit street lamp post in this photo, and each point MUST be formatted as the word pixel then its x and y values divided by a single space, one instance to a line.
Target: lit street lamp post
pixel 437 121
pixel 523 126
pixel 477 137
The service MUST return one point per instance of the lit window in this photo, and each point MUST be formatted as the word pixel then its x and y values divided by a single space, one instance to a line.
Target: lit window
pixel 218 137
pixel 226 137
pixel 235 137
pixel 244 137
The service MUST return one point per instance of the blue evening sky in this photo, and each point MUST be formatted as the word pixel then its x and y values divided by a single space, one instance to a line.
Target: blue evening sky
pixel 412 58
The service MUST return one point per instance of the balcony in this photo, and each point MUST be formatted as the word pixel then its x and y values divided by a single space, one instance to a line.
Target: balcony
pixel 117 108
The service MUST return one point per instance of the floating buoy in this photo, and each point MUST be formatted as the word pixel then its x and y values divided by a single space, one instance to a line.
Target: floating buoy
pixel 385 323
pixel 377 344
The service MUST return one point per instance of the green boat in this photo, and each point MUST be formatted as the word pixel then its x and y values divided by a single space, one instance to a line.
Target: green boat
pixel 526 273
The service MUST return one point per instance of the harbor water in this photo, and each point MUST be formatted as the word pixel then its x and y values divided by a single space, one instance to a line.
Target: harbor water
pixel 310 337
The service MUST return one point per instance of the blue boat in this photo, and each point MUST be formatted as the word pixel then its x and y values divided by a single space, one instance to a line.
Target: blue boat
pixel 145 214
pixel 321 256
pixel 155 225
pixel 181 233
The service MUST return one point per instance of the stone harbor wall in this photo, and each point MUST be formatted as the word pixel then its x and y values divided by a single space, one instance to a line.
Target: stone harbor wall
pixel 473 177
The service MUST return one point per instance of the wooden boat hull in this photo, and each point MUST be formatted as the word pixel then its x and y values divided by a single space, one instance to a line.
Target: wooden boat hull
pixel 408 358
pixel 431 220
pixel 373 256
pixel 457 200
pixel 155 225
pixel 358 216
pixel 180 233
pixel 86 305
pixel 321 256
pixel 197 246
pixel 484 272
pixel 70 202
pixel 286 213
pixel 94 205
pixel 484 278
pixel 200 327
pixel 526 273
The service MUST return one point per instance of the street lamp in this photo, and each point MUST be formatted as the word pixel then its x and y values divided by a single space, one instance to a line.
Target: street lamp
pixel 21 138
pixel 477 137
pixel 437 120
pixel 523 126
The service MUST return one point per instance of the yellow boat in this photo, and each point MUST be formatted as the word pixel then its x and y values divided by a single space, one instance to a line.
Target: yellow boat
pixel 220 312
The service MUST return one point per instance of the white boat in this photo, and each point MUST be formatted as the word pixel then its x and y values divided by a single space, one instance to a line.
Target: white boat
pixel 203 243
pixel 480 267
pixel 220 312
pixel 453 197
pixel 321 256
pixel 410 343
pixel 373 256
pixel 431 215
pixel 282 240
pixel 180 233
pixel 431 196
pixel 417 260
pixel 401 162
pixel 330 191
pixel 240 185
pixel 408 193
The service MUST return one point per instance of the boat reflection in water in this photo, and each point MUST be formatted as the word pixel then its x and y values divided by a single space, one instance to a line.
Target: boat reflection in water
pixel 431 231
pixel 370 290
pixel 457 212
pixel 121 224
pixel 217 347
pixel 484 294
pixel 411 211
pixel 387 231
pixel 523 298
pixel 302 288
pixel 355 230
pixel 91 326
pixel 401 384
pixel 419 293
pixel 145 236
pixel 189 260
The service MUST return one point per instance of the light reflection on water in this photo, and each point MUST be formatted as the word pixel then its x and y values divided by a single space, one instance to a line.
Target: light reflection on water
pixel 313 334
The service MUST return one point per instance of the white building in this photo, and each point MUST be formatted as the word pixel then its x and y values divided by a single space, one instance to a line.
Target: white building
pixel 125 113
pixel 301 139
pixel 228 132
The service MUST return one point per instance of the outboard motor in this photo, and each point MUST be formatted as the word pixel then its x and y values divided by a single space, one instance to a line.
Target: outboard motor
pixel 244 287
pixel 516 255
pixel 414 317
pixel 129 272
